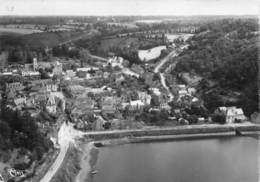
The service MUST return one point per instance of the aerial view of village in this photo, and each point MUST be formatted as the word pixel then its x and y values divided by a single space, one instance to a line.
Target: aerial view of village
pixel 87 98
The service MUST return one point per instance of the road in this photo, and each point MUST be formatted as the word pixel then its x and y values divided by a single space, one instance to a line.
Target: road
pixel 98 57
pixel 164 60
pixel 162 77
pixel 166 87
pixel 127 71
pixel 66 136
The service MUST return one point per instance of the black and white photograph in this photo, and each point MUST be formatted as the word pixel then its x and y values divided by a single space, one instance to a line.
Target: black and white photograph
pixel 129 91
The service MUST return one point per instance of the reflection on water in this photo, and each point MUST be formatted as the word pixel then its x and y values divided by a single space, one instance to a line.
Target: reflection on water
pixel 225 159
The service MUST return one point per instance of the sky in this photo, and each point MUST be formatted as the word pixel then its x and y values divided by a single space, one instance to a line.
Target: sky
pixel 129 7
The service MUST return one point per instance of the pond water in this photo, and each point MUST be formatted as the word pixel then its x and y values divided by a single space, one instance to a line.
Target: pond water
pixel 225 159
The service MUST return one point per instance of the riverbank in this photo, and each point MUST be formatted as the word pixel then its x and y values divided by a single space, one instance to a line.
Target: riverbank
pixel 88 159
pixel 177 130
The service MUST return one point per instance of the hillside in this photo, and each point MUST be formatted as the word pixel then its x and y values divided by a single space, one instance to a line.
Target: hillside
pixel 225 54
pixel 42 40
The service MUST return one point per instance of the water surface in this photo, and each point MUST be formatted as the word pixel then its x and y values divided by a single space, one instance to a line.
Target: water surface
pixel 228 159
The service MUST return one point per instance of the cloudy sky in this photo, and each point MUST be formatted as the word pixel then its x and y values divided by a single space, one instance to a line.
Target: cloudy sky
pixel 129 7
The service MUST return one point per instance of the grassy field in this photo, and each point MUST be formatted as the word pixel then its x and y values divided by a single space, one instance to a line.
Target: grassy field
pixel 51 39
pixel 127 42
pixel 150 54
pixel 118 42
pixel 22 31
pixel 127 25
pixel 42 40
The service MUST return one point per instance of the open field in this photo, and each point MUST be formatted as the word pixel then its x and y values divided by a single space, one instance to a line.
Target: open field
pixel 126 42
pixel 172 37
pixel 22 31
pixel 106 44
pixel 127 25
pixel 150 54
pixel 41 40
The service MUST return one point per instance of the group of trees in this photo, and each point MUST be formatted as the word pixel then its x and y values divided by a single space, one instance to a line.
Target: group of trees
pixel 20 130
pixel 225 53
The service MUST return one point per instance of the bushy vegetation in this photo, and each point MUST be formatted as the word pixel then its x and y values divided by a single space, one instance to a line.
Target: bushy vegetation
pixel 225 54
pixel 21 131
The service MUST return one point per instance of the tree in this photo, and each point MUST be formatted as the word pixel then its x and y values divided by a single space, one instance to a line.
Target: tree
pixel 155 100
pixel 219 118
pixel 84 56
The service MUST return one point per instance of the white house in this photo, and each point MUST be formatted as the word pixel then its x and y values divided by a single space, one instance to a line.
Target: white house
pixel 136 104
pixel 182 93
pixel 145 98
pixel 30 73
pixel 234 113
pixel 116 61
pixel 156 91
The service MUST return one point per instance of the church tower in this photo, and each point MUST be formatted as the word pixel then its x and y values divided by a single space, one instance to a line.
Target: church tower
pixel 35 64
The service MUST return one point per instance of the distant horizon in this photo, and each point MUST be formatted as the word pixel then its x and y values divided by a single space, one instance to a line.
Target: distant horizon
pixel 128 7
pixel 155 16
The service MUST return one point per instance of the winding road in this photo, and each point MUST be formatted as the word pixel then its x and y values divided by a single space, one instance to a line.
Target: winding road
pixel 66 136
pixel 162 62
pixel 64 141
pixel 162 77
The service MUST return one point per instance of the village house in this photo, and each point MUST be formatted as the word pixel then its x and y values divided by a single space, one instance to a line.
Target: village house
pixel 43 65
pixel 106 75
pixel 156 91
pixel 182 93
pixel 119 79
pixel 70 73
pixel 46 85
pixel 16 86
pixel 108 105
pixel 144 97
pixel 87 69
pixel 7 73
pixel 98 124
pixel 40 98
pixel 116 61
pixel 30 102
pixel 51 105
pixel 76 90
pixel 57 68
pixel 136 105
pixel 191 91
pixel 19 102
pixel 165 106
pixel 138 69
pixel 232 114
pixel 31 74
pixel 82 74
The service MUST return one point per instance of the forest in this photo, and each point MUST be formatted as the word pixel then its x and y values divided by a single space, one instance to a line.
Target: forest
pixel 225 53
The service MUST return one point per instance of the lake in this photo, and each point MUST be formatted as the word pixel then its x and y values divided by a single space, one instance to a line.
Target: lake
pixel 225 159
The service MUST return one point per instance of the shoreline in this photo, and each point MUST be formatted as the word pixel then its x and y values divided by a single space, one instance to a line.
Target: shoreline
pixel 188 130
pixel 87 161
pixel 108 138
